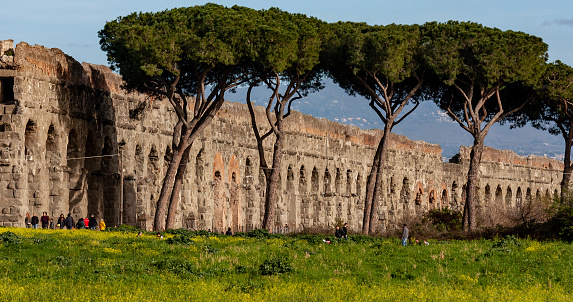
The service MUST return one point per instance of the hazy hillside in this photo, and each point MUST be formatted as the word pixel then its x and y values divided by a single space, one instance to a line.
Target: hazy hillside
pixel 427 123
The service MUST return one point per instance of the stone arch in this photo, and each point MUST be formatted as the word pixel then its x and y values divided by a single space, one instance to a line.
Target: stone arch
pixel 528 197
pixel 405 192
pixel 432 200
pixel 508 196
pixel 326 181
pixel 290 180
pixel 338 181
pixel 538 195
pixel 487 195
pixel 498 196
pixel 314 180
pixel 444 198
pixel 419 193
pixel 547 194
pixel 32 155
pixel 248 172
pixel 31 144
pixel 302 180
pixel 518 198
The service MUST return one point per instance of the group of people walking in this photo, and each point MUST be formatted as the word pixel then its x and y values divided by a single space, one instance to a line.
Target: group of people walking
pixel 63 222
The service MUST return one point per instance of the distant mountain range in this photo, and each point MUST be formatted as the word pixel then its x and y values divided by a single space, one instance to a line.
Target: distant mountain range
pixel 427 123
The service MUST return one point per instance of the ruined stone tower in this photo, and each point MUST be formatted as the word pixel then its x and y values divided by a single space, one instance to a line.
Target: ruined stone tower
pixel 69 134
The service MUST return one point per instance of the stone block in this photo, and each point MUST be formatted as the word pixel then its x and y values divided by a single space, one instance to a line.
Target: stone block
pixel 7 193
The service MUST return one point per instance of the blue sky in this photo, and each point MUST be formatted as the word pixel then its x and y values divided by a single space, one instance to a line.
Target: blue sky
pixel 72 25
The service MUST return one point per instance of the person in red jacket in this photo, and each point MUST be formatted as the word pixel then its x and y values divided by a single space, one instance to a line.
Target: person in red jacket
pixel 86 222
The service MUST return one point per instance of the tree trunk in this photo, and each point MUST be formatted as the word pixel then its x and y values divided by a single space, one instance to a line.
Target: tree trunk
pixel 567 169
pixel 168 183
pixel 473 184
pixel 272 181
pixel 378 183
pixel 172 212
pixel 370 185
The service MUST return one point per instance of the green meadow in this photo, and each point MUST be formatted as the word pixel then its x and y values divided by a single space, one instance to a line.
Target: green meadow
pixel 82 265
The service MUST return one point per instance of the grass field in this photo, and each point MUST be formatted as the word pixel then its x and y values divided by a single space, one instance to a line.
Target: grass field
pixel 82 265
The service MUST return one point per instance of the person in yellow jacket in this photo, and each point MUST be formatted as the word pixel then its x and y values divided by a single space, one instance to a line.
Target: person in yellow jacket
pixel 101 225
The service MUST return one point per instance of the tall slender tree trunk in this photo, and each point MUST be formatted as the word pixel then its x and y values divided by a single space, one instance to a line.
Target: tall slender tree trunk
pixel 473 183
pixel 384 142
pixel 272 181
pixel 567 168
pixel 167 188
pixel 172 211
pixel 370 184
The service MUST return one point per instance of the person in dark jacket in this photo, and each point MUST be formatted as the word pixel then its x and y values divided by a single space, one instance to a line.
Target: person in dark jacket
pixel 338 232
pixel 229 232
pixel 345 231
pixel 35 220
pixel 45 219
pixel 69 221
pixel 81 224
pixel 61 222
pixel 92 223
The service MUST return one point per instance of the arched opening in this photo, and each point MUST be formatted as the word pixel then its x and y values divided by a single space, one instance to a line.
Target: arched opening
pixel 432 200
pixel 444 200
pixel 419 195
pixel 487 195
pixel 302 180
pixel 326 180
pixel 508 196
pixel 338 181
pixel 248 172
pixel 314 180
pixel 290 180
pixel 518 198
pixel 498 196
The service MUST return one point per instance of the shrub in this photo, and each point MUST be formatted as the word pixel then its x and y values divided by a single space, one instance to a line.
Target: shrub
pixel 561 218
pixel 275 266
pixel 124 228
pixel 10 238
pixel 444 219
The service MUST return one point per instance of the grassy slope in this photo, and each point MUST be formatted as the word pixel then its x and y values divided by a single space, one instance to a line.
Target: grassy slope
pixel 104 266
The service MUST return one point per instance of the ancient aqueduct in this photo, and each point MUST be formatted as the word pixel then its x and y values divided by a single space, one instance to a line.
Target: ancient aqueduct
pixel 62 124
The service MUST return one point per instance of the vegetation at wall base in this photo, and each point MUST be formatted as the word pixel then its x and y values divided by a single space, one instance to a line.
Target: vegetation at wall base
pixel 112 266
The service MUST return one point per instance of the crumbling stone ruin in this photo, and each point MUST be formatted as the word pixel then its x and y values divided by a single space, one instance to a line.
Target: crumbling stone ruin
pixel 72 140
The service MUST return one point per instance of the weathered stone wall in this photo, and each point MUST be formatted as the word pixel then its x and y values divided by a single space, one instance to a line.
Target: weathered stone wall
pixel 69 133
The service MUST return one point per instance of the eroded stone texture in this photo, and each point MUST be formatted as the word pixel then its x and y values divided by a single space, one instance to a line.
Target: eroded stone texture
pixel 61 124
